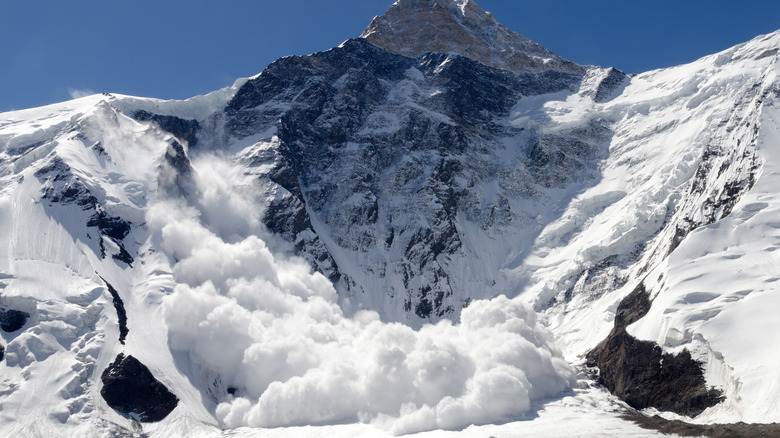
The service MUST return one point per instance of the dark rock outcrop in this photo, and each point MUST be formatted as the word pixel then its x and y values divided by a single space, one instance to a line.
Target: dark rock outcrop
pixel 415 27
pixel 12 320
pixel 609 85
pixel 121 313
pixel 177 176
pixel 61 186
pixel 641 374
pixel 182 129
pixel 681 428
pixel 131 389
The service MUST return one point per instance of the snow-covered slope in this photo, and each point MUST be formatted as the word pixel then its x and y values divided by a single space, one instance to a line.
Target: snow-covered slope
pixel 692 146
pixel 717 295
pixel 385 238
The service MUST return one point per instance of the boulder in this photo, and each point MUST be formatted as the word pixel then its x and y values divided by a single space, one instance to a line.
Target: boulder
pixel 131 389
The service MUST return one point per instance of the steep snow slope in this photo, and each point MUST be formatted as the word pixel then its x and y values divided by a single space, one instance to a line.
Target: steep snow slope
pixel 718 294
pixel 693 146
pixel 77 183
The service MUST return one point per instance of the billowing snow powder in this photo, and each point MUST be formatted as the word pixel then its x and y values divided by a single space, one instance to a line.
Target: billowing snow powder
pixel 273 331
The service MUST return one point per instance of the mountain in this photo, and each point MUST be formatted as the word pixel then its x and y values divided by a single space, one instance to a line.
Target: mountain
pixel 437 225
pixel 416 27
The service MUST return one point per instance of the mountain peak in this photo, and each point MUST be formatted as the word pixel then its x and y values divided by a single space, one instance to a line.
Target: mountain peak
pixel 414 27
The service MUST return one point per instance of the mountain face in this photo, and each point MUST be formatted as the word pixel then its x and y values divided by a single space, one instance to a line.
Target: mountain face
pixel 434 225
pixel 371 133
pixel 415 27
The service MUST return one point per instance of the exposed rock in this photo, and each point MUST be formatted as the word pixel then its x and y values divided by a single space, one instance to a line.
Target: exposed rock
pixel 12 320
pixel 415 27
pixel 609 85
pixel 555 160
pixel 131 389
pixel 121 313
pixel 287 216
pixel 123 256
pixel 358 127
pixel 61 186
pixel 641 374
pixel 176 176
pixel 56 170
pixel 182 129
pixel 681 428
pixel 111 226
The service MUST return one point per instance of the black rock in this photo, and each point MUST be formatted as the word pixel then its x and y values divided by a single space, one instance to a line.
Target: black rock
pixel 114 227
pixel 178 180
pixel 61 186
pixel 180 128
pixel 121 313
pixel 12 320
pixel 123 256
pixel 606 89
pixel 682 428
pixel 131 389
pixel 57 168
pixel 641 374
pixel 474 93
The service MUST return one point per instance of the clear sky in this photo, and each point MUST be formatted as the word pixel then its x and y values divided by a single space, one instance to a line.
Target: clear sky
pixel 54 49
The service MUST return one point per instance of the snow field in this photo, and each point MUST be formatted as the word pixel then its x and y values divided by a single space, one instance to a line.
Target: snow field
pixel 720 294
pixel 714 294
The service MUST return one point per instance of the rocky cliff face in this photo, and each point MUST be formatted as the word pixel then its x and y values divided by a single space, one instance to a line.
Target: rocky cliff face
pixel 382 162
pixel 415 27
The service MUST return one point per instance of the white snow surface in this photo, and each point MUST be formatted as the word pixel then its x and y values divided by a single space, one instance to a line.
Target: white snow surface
pixel 214 301
pixel 720 293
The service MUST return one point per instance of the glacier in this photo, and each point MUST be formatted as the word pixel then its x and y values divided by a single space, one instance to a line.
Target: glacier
pixel 386 239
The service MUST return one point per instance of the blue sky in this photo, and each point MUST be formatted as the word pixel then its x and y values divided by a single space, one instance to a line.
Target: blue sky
pixel 53 49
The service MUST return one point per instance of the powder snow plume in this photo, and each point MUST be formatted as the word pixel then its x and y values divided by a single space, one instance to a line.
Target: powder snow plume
pixel 273 331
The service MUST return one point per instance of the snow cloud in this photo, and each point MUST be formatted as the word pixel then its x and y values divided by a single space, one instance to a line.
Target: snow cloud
pixel 273 330
pixel 76 93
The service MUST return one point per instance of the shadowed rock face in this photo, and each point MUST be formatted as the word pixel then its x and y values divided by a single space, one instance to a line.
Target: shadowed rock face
pixel 12 320
pixel 183 129
pixel 121 313
pixel 383 152
pixel 415 27
pixel 611 82
pixel 642 375
pixel 131 389
pixel 62 186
